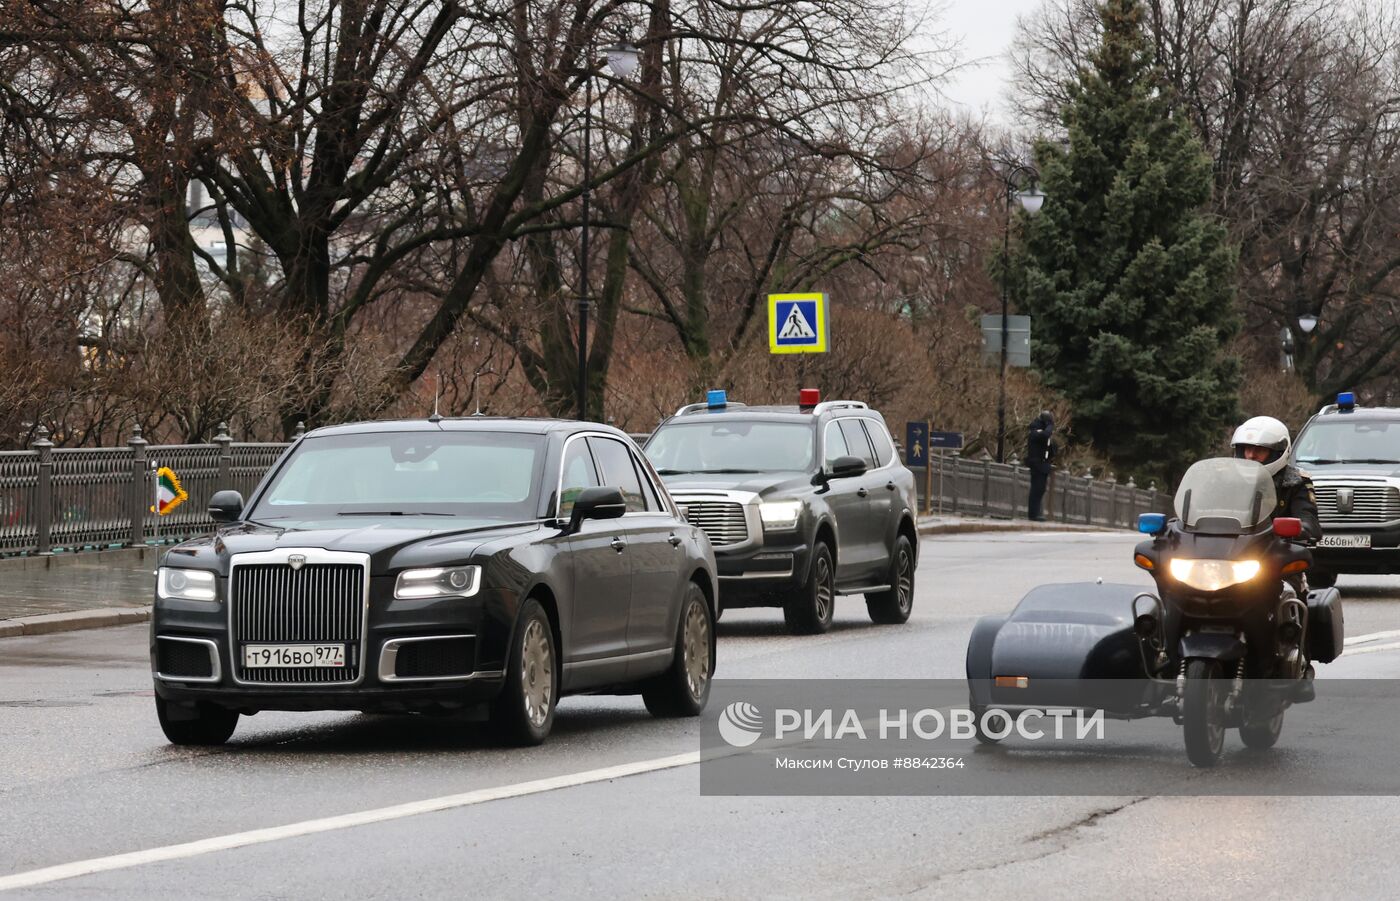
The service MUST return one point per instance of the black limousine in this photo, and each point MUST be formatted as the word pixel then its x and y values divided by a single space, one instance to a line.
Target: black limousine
pixel 477 565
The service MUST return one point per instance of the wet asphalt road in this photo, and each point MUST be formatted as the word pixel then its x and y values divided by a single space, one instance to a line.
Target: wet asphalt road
pixel 85 773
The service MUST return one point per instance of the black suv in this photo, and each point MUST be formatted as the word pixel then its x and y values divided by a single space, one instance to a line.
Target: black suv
pixel 1353 456
pixel 802 503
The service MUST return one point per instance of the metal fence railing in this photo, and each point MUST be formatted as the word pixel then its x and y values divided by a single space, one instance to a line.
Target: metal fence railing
pixel 74 499
pixel 79 498
pixel 982 487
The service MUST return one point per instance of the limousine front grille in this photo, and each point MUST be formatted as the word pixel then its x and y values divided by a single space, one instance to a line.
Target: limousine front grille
pixel 722 521
pixel 1340 504
pixel 274 603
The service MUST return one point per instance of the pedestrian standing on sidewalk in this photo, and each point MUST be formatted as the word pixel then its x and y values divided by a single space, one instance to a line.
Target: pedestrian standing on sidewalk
pixel 1040 452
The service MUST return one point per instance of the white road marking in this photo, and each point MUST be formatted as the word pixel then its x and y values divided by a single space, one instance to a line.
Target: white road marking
pixel 1372 648
pixel 344 821
pixel 1373 636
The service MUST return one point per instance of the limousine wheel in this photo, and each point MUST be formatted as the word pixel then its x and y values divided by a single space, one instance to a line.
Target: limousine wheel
pixel 524 710
pixel 684 688
pixel 199 724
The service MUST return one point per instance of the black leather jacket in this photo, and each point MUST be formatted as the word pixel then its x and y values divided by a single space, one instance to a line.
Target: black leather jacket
pixel 1296 498
pixel 1040 450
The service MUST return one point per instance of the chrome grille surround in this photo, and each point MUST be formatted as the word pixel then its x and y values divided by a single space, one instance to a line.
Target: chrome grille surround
pixel 1374 501
pixel 330 606
pixel 728 518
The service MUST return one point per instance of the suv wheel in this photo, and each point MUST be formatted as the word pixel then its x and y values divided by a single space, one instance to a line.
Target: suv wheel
pixel 1321 578
pixel 808 609
pixel 894 606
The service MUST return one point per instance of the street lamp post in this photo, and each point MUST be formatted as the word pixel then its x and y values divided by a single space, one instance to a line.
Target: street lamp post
pixel 623 58
pixel 1031 200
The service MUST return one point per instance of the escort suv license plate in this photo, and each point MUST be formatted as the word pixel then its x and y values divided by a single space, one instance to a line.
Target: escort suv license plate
pixel 1344 541
pixel 285 656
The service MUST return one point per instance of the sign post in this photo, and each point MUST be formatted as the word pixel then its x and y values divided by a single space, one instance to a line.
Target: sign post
pixel 916 454
pixel 943 441
pixel 798 324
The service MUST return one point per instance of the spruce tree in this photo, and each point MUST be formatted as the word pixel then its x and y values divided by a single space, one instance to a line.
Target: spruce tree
pixel 1128 278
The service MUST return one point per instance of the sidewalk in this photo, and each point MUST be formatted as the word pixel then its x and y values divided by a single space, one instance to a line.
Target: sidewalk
pixel 111 588
pixel 954 525
pixel 76 591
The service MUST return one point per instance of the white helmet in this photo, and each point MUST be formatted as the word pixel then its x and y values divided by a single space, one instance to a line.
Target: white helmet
pixel 1266 432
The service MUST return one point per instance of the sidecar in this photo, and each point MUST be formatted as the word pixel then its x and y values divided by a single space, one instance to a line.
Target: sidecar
pixel 1076 645
pixel 1065 645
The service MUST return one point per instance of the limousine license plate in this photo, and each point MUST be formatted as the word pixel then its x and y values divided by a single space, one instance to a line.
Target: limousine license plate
pixel 1362 541
pixel 292 656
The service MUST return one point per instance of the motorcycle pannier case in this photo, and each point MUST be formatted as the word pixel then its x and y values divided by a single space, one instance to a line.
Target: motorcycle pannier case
pixel 1325 628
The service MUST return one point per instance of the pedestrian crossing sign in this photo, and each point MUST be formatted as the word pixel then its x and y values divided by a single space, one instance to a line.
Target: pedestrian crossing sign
pixel 797 323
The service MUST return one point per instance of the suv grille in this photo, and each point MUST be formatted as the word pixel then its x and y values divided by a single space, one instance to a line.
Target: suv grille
pixel 722 521
pixel 321 602
pixel 1369 504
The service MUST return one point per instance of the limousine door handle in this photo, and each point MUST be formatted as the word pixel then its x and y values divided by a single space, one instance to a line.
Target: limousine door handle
pixel 862 492
pixel 675 540
pixel 619 545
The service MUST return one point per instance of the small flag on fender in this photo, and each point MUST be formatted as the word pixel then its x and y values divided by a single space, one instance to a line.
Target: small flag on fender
pixel 169 494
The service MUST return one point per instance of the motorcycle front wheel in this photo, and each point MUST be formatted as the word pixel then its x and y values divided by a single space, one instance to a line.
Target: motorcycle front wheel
pixel 1203 710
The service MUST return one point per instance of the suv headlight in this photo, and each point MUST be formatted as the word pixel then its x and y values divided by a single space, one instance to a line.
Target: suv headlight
pixel 779 516
pixel 453 582
pixel 176 584
pixel 1213 575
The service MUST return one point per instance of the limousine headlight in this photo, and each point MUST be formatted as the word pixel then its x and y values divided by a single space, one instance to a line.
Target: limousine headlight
pixel 454 582
pixel 176 584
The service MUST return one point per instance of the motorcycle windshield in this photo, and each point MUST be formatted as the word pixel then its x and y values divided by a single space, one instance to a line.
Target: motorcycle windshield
pixel 1225 494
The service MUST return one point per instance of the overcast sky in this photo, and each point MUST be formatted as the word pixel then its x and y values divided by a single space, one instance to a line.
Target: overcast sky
pixel 983 30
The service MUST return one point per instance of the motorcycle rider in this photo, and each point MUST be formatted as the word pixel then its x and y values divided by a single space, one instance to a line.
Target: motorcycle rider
pixel 1265 440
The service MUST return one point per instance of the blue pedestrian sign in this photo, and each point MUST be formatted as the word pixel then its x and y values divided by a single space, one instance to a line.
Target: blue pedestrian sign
pixel 916 445
pixel 945 440
pixel 797 324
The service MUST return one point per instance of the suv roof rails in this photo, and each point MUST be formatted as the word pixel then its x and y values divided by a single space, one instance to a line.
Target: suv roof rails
pixel 1327 408
pixel 826 405
pixel 696 408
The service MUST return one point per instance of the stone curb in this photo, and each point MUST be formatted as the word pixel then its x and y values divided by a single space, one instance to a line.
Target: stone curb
pixel 69 622
pixel 961 528
pixel 84 558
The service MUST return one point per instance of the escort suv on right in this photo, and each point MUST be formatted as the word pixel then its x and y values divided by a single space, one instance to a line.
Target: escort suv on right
pixel 801 503
pixel 1352 454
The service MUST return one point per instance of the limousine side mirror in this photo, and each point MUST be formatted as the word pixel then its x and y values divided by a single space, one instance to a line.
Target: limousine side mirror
pixel 225 506
pixel 597 503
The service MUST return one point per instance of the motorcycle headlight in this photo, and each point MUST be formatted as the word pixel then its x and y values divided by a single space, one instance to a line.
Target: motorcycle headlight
pixel 779 516
pixel 176 584
pixel 1213 575
pixel 453 582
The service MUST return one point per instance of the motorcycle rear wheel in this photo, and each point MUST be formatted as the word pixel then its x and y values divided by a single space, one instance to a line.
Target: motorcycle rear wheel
pixel 1203 710
pixel 1263 735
